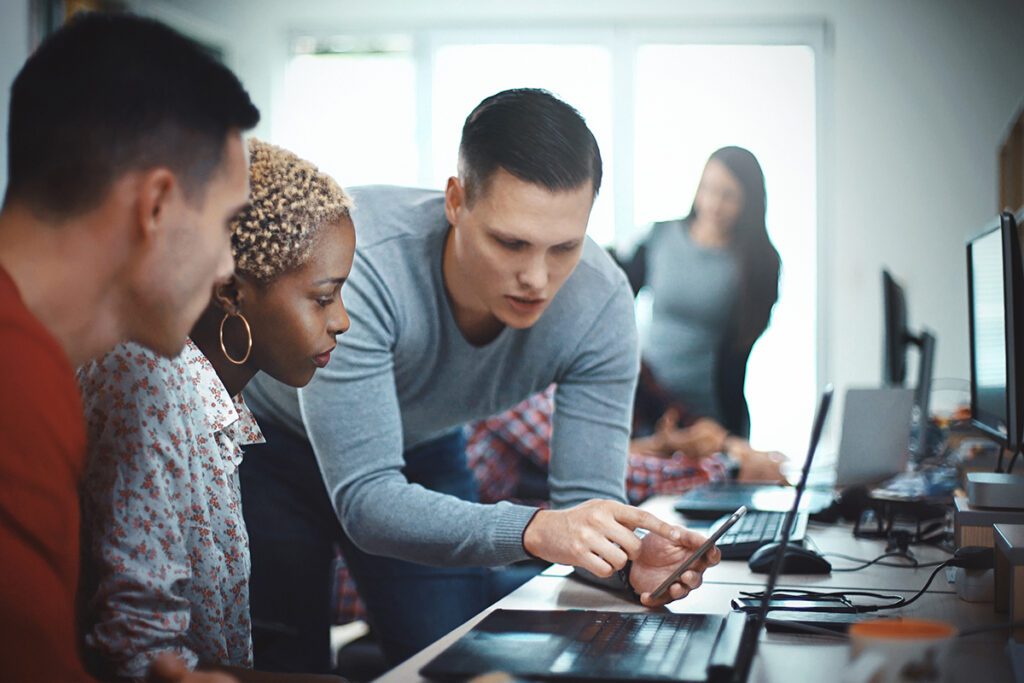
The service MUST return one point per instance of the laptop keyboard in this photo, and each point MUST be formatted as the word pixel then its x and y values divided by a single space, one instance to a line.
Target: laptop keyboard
pixel 757 528
pixel 639 641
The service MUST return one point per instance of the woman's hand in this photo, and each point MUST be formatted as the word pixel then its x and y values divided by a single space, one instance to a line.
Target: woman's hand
pixel 702 439
pixel 756 465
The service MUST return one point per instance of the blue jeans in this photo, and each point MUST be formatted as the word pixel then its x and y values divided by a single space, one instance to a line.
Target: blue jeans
pixel 293 531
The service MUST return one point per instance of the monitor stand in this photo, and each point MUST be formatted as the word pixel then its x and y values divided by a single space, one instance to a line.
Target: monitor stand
pixel 995 490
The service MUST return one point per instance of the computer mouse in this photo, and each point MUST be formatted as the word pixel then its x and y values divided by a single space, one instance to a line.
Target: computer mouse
pixel 797 560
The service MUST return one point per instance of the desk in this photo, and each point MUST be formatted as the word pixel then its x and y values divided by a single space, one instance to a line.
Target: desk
pixel 781 658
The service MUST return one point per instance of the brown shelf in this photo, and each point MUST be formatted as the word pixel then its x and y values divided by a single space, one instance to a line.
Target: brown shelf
pixel 1011 165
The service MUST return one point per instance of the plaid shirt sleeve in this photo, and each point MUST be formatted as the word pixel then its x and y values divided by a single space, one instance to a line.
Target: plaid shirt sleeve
pixel 497 444
pixel 650 474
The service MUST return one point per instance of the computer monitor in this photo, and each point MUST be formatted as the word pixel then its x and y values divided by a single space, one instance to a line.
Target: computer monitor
pixel 894 366
pixel 995 290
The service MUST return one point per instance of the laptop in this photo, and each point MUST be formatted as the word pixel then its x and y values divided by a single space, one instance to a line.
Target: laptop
pixel 875 443
pixel 873 446
pixel 620 646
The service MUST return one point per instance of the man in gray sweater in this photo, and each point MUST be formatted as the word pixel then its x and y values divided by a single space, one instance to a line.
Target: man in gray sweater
pixel 462 303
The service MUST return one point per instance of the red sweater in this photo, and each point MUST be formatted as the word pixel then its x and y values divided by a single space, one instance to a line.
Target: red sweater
pixel 42 453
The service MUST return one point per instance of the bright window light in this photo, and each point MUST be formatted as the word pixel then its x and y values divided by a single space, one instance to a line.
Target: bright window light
pixel 693 99
pixel 367 115
pixel 578 74
pixel 353 114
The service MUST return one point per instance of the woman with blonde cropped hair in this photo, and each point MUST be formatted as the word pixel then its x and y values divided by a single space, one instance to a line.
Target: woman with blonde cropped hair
pixel 166 555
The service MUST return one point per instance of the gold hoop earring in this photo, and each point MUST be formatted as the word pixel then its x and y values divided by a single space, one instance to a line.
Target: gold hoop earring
pixel 248 333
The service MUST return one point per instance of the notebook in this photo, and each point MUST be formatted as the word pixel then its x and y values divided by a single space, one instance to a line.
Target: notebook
pixel 873 446
pixel 620 646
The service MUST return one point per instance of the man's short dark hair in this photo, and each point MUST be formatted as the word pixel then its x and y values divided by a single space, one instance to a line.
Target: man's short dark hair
pixel 107 94
pixel 534 136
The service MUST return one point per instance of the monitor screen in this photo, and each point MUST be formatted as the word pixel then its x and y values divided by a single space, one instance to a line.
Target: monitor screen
pixel 993 284
pixel 988 332
pixel 896 336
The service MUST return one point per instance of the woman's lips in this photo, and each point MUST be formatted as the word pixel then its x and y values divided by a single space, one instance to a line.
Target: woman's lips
pixel 322 359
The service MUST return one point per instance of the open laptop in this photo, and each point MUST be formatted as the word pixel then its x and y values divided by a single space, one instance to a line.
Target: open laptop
pixel 875 443
pixel 873 446
pixel 620 646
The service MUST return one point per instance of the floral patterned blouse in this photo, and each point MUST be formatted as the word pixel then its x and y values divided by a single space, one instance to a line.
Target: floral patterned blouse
pixel 165 551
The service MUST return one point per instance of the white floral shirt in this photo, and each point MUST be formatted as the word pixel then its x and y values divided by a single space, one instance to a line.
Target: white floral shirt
pixel 165 551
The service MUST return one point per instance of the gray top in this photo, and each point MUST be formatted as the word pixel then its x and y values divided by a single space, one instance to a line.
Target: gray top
pixel 404 374
pixel 694 290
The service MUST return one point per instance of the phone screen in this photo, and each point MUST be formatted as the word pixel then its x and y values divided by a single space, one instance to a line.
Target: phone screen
pixel 701 551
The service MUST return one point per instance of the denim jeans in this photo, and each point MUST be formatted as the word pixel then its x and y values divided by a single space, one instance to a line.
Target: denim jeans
pixel 293 531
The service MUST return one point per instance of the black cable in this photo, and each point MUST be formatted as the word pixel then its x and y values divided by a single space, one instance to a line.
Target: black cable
pixel 842 597
pixel 904 553
pixel 1013 459
pixel 922 591
pixel 968 557
pixel 914 564
pixel 867 563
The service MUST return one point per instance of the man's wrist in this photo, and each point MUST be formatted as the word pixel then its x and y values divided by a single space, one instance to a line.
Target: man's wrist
pixel 624 577
pixel 526 528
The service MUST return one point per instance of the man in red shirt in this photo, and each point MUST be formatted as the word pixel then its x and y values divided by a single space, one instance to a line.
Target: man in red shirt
pixel 125 165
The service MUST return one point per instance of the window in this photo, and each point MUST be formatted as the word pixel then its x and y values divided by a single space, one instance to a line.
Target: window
pixel 578 74
pixel 352 111
pixel 391 109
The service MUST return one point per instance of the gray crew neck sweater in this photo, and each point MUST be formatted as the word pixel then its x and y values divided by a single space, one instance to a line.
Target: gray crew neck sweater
pixel 404 374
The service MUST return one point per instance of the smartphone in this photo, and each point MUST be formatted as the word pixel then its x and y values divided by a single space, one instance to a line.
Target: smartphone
pixel 700 552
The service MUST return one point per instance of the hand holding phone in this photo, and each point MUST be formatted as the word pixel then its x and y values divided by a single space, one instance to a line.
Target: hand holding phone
pixel 700 552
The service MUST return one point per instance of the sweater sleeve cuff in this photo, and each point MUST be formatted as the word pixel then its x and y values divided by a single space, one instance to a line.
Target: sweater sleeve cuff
pixel 508 534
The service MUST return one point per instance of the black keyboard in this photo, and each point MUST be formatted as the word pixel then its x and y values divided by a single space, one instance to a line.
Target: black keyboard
pixel 757 528
pixel 649 644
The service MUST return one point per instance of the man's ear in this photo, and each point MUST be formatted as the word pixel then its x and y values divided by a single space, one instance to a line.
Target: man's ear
pixel 454 199
pixel 228 294
pixel 157 188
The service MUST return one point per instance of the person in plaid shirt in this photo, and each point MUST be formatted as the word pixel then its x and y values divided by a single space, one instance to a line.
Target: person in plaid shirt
pixel 509 456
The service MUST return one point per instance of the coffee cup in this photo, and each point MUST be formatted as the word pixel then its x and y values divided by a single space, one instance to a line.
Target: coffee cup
pixel 898 651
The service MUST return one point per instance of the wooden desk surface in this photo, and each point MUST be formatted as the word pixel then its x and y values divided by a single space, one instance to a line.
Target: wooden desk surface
pixel 973 658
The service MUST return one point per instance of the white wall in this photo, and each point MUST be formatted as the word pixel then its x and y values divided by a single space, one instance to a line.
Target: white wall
pixel 13 52
pixel 921 94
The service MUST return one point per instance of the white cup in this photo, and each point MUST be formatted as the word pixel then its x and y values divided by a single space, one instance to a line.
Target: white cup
pixel 898 651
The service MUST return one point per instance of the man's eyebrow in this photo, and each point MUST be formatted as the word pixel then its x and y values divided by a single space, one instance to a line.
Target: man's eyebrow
pixel 505 236
pixel 327 280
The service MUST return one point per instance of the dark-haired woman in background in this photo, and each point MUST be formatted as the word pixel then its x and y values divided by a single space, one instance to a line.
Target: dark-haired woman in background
pixel 714 279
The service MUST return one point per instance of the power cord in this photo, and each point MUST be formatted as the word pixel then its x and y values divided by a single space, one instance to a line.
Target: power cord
pixel 912 562
pixel 904 552
pixel 824 598
pixel 1013 459
pixel 968 557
